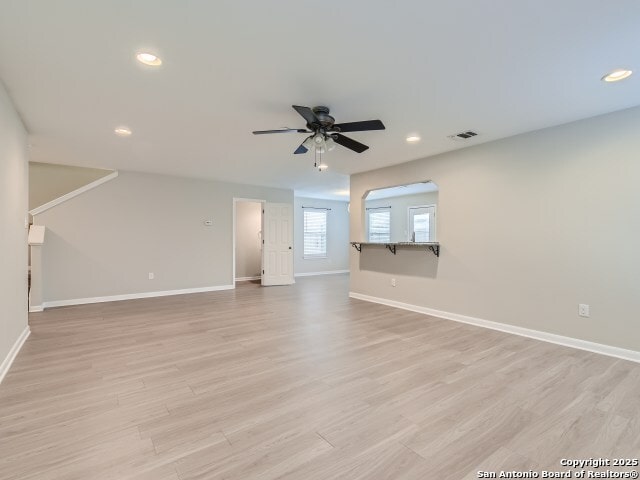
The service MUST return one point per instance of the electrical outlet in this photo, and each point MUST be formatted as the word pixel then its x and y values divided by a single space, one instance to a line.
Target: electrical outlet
pixel 151 276
pixel 583 310
pixel 393 282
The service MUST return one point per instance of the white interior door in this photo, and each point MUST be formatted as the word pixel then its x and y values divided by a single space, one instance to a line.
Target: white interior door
pixel 277 248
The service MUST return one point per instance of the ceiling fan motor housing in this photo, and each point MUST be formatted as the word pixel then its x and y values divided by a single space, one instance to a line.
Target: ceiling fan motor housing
pixel 322 113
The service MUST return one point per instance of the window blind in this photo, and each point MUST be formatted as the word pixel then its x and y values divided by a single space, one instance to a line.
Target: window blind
pixel 380 226
pixel 315 234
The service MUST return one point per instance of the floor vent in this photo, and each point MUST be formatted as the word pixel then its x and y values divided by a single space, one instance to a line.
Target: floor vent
pixel 463 135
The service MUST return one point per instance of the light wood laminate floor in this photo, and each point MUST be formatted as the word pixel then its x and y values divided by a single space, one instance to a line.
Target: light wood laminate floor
pixel 299 383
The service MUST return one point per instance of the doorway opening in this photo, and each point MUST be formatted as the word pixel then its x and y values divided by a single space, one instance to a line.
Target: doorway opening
pixel 247 240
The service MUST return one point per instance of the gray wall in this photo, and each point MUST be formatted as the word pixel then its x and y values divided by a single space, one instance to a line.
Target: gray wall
pixel 248 239
pixel 48 181
pixel 337 237
pixel 13 234
pixel 529 227
pixel 107 240
pixel 400 212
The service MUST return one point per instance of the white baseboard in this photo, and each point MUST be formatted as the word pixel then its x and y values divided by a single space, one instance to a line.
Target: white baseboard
pixel 609 350
pixel 11 356
pixel 34 308
pixel 312 274
pixel 246 279
pixel 133 296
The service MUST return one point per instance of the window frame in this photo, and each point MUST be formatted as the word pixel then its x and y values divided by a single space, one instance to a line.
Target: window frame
pixel 319 211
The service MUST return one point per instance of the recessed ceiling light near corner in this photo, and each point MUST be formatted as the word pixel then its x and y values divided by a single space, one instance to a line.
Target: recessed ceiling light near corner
pixel 150 59
pixel 616 76
pixel 413 138
pixel 122 131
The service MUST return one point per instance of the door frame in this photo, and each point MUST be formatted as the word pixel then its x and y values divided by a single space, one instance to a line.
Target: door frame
pixel 235 201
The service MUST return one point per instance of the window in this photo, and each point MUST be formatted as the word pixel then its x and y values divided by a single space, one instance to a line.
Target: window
pixel 315 233
pixel 379 225
pixel 422 223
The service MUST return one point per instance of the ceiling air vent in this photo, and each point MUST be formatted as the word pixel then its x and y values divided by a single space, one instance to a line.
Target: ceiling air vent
pixel 463 135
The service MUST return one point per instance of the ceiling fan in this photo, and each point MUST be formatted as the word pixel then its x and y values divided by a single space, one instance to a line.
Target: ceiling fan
pixel 325 133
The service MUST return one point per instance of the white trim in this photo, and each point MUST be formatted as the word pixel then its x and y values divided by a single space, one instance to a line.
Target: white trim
pixel 252 200
pixel 34 308
pixel 11 356
pixel 133 296
pixel 246 279
pixel 600 348
pixel 36 235
pixel 317 256
pixel 312 274
pixel 74 193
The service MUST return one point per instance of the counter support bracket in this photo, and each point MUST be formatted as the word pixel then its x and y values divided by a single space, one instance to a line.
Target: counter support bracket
pixel 433 247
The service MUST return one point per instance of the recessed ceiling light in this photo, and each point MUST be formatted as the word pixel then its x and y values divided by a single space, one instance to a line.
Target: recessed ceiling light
pixel 149 59
pixel 413 138
pixel 323 166
pixel 122 131
pixel 616 75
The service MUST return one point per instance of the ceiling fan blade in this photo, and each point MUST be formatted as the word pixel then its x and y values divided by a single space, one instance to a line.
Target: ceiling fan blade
pixel 349 143
pixel 307 114
pixel 280 130
pixel 301 149
pixel 360 126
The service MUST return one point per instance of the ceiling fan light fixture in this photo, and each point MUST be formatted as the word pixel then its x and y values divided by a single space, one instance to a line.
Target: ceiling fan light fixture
pixel 330 144
pixel 319 142
pixel 309 143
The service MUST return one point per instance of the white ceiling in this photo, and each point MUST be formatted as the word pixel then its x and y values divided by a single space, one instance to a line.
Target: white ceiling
pixel 499 67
